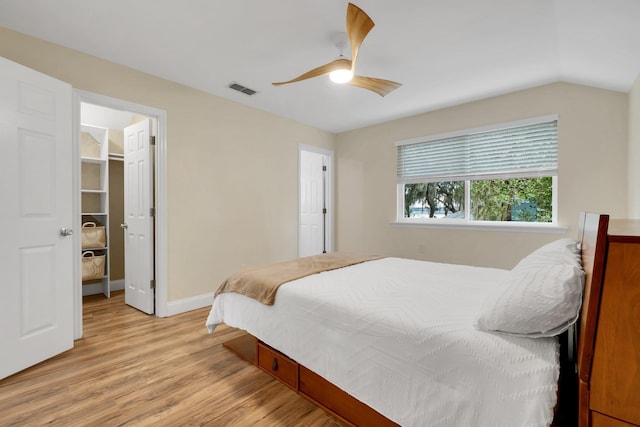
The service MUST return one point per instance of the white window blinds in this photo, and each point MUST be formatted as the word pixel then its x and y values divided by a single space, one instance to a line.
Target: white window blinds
pixel 529 150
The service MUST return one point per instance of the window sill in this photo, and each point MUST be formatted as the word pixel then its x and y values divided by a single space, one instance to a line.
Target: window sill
pixel 485 226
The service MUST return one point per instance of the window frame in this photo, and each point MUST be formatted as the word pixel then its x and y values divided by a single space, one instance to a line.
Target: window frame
pixel 466 223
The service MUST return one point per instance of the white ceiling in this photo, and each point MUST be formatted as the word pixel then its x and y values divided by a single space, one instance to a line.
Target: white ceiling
pixel 97 115
pixel 445 52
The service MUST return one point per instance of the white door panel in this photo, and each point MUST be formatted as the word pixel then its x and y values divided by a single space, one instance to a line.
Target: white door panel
pixel 36 262
pixel 138 201
pixel 312 190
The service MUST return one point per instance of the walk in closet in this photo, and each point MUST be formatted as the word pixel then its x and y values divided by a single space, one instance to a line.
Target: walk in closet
pixel 113 240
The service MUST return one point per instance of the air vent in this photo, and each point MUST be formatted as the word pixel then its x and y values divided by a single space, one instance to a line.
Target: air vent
pixel 243 89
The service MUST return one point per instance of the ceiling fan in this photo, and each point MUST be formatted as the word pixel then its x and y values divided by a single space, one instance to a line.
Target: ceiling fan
pixel 342 70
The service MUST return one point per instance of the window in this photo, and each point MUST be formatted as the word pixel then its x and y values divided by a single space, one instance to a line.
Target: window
pixel 506 173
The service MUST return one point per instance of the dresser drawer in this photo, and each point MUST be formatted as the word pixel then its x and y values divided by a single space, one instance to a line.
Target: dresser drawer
pixel 278 365
pixel 599 420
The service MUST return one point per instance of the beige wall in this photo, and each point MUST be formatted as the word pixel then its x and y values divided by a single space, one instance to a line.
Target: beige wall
pixel 634 151
pixel 116 141
pixel 116 217
pixel 116 206
pixel 231 172
pixel 592 174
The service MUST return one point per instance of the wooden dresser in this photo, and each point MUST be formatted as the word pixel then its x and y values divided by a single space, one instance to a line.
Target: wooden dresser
pixel 614 390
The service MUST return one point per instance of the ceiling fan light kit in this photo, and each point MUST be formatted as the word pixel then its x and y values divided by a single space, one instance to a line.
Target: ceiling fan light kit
pixel 341 76
pixel 342 70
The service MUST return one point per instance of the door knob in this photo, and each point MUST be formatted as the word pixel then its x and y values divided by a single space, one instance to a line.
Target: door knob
pixel 64 232
pixel 125 225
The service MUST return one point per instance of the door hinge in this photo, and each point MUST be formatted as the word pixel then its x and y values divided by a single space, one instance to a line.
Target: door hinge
pixel 152 284
pixel 152 212
pixel 324 168
pixel 152 140
pixel 324 211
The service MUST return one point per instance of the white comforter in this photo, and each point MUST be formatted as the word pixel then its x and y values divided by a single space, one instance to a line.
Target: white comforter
pixel 398 335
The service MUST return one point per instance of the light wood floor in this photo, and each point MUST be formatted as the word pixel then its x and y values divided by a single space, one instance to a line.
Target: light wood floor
pixel 133 369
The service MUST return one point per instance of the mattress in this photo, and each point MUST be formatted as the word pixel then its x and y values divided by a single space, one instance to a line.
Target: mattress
pixel 398 335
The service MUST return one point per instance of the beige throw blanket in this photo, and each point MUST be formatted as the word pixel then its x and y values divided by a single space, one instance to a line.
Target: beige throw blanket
pixel 262 282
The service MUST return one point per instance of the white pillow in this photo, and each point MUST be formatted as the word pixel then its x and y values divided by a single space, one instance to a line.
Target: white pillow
pixel 562 251
pixel 541 296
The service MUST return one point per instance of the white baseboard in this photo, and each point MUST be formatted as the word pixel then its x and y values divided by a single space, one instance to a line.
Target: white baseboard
pixel 117 285
pixel 96 288
pixel 173 307
pixel 92 289
pixel 188 304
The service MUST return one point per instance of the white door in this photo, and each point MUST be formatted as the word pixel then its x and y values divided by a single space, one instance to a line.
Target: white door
pixel 36 254
pixel 138 201
pixel 312 239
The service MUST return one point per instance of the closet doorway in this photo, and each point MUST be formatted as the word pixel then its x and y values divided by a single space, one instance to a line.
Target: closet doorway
pixel 122 188
pixel 117 209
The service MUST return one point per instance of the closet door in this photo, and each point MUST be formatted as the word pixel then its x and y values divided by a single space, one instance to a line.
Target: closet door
pixel 36 248
pixel 138 204
pixel 312 234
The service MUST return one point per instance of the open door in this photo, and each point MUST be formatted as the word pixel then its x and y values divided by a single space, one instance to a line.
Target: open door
pixel 36 187
pixel 138 216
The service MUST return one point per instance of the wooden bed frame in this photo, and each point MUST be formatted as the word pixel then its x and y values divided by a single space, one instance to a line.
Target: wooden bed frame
pixel 592 234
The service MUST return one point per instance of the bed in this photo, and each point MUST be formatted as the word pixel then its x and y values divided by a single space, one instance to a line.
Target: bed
pixel 393 341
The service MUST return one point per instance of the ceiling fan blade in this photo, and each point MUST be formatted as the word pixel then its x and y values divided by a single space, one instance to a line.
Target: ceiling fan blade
pixel 337 64
pixel 380 86
pixel 358 26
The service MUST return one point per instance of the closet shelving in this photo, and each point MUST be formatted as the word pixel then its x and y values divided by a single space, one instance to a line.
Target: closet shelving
pixel 94 157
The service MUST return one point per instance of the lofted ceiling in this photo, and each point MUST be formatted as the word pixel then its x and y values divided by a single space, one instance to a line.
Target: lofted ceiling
pixel 445 52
